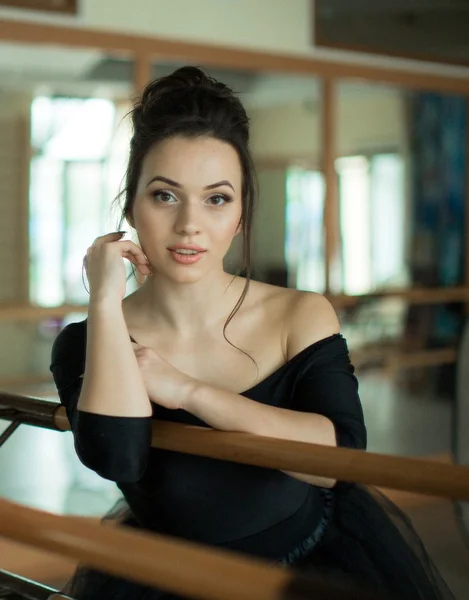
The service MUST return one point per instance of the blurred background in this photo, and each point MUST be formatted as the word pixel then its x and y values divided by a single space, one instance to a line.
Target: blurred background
pixel 359 132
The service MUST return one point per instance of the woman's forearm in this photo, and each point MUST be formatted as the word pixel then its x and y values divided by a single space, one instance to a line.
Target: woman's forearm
pixel 112 383
pixel 232 412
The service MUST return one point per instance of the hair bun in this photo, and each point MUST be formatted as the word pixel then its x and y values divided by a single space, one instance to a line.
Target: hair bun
pixel 183 80
pixel 187 76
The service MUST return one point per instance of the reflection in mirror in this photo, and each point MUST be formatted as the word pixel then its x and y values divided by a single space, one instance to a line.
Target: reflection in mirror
pixel 69 103
pixel 372 221
pixel 380 329
pixel 401 173
pixel 79 146
pixel 288 236
pixel 62 158
pixel 284 109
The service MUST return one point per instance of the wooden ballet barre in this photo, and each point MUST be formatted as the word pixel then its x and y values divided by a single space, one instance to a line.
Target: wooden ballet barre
pixel 173 565
pixel 343 464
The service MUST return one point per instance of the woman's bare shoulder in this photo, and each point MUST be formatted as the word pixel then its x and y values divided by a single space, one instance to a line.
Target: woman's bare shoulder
pixel 300 318
pixel 310 318
pixel 263 292
pixel 292 301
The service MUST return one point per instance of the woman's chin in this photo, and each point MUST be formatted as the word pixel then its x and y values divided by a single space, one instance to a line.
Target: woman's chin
pixel 183 274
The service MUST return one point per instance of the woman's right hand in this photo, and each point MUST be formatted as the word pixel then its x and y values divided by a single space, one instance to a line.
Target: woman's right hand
pixel 105 267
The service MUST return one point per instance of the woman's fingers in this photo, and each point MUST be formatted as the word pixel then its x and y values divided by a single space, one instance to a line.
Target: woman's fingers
pixel 126 246
pixel 127 249
pixel 108 237
pixel 132 248
pixel 139 261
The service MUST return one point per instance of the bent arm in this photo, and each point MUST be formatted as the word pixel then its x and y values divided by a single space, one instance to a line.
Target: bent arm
pixel 112 382
pixel 325 407
pixel 107 405
pixel 233 412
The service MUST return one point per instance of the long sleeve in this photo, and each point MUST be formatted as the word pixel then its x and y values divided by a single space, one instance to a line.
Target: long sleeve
pixel 117 448
pixel 327 385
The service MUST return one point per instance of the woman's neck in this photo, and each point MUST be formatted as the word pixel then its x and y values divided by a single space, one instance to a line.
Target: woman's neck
pixel 187 308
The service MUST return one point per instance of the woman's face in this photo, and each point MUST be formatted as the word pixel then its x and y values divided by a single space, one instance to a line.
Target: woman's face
pixel 187 207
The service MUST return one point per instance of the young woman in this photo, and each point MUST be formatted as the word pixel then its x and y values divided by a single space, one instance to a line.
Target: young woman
pixel 196 345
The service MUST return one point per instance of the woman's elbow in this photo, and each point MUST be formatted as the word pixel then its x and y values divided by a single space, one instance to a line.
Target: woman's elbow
pixel 115 448
pixel 354 438
pixel 128 467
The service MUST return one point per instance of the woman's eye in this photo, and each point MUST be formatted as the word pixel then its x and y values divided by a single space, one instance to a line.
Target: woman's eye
pixel 218 200
pixel 164 197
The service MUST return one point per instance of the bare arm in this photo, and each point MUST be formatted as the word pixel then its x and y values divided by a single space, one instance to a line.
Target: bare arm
pixel 327 407
pixel 231 412
pixel 112 383
pixel 111 417
pixel 109 407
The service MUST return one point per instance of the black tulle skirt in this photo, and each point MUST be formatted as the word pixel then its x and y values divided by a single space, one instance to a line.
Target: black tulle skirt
pixel 363 540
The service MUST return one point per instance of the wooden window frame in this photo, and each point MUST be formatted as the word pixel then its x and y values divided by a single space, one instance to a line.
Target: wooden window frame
pixel 69 6
pixel 319 40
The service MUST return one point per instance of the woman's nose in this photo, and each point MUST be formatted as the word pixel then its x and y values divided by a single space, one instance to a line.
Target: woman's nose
pixel 187 222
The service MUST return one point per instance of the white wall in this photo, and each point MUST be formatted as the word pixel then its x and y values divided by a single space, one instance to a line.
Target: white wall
pixel 289 130
pixel 269 225
pixel 280 26
pixel 276 25
pixel 270 24
pixel 368 118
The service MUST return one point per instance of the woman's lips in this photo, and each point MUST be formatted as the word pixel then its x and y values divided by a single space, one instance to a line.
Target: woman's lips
pixel 187 247
pixel 186 259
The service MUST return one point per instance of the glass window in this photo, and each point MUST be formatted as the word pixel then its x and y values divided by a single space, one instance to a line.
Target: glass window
pixel 304 241
pixel 372 222
pixel 77 168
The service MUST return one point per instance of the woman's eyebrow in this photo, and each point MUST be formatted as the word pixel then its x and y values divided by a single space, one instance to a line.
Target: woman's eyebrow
pixel 178 185
pixel 218 184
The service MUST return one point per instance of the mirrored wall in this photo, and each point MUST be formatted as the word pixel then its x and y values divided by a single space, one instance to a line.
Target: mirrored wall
pixel 63 149
pixel 401 169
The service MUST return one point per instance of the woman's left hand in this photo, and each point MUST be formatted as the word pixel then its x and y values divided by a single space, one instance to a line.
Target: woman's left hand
pixel 165 384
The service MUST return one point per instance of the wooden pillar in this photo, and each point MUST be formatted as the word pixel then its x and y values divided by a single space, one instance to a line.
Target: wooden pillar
pixel 331 199
pixel 142 71
pixel 466 216
pixel 23 132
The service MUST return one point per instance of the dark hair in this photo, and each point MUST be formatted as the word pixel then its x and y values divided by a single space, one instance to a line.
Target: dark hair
pixel 190 103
